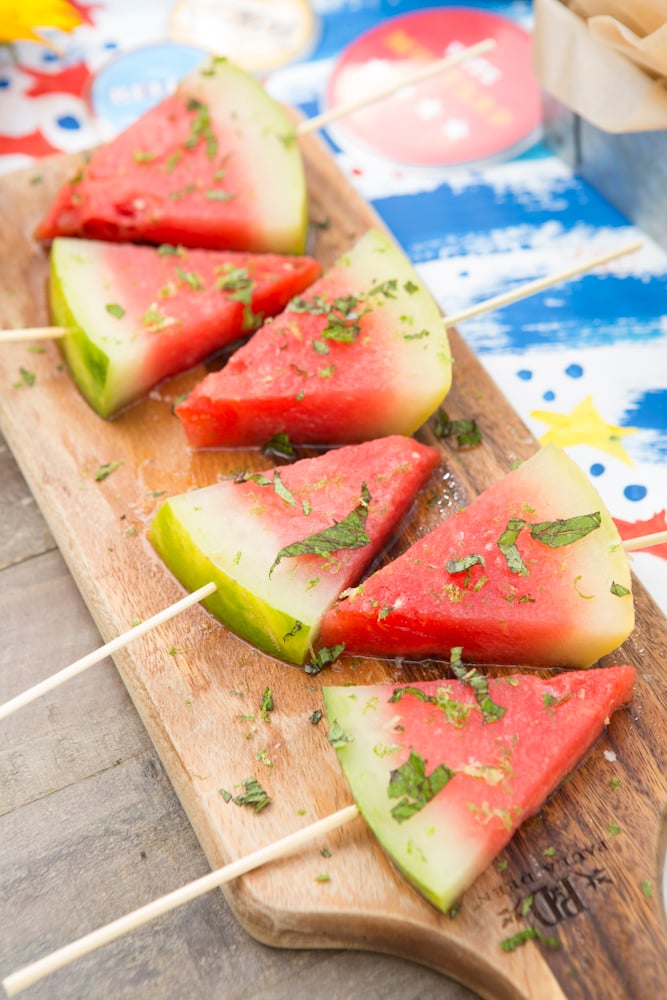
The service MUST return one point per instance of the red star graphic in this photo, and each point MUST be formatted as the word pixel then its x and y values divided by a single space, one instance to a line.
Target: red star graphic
pixel 68 81
pixel 86 10
pixel 32 144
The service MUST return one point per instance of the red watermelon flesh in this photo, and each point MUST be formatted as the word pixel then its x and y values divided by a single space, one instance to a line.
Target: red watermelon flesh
pixel 139 314
pixel 363 354
pixel 215 165
pixel 443 783
pixel 236 533
pixel 480 580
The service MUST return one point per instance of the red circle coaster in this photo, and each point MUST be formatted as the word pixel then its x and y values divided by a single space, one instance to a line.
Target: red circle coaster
pixel 484 107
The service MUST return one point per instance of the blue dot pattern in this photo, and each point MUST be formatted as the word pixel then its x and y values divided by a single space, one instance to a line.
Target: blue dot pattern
pixel 69 122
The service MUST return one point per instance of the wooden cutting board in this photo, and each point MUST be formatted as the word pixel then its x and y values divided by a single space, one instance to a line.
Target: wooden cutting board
pixel 587 869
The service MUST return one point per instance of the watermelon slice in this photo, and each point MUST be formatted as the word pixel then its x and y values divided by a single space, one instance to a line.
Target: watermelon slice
pixel 216 165
pixel 281 546
pixel 533 572
pixel 139 314
pixel 363 354
pixel 444 771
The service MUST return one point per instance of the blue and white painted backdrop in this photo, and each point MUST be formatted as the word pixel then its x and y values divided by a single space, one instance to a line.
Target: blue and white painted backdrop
pixel 585 362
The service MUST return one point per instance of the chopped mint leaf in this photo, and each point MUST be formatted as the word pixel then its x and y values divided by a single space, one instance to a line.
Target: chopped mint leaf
pixel 254 795
pixel 282 490
pixel 455 711
pixel 466 432
pixel 414 787
pixel 551 701
pixel 386 288
pixel 350 533
pixel 168 250
pixel 337 737
pixel 253 477
pixel 342 314
pixel 191 279
pixel 280 445
pixel 215 194
pixel 200 128
pixel 507 545
pixel 142 156
pixel 106 470
pixel 324 657
pixel 461 565
pixel 565 531
pixel 529 934
pixel 266 705
pixel 27 378
pixel 417 336
pixel 115 310
pixel 236 281
pixel 479 683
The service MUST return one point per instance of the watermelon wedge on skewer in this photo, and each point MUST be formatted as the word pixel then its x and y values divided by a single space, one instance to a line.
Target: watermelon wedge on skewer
pixel 138 314
pixel 444 773
pixel 280 546
pixel 362 354
pixel 215 165
pixel 533 572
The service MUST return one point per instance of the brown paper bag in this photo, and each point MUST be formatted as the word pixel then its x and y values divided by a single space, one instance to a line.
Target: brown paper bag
pixel 612 70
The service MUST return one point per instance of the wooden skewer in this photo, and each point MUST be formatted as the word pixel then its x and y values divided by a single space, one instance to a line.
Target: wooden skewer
pixel 630 545
pixel 431 69
pixel 33 333
pixel 497 302
pixel 532 287
pixel 645 541
pixel 32 973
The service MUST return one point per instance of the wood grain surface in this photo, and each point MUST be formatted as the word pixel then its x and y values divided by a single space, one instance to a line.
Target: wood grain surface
pixel 586 870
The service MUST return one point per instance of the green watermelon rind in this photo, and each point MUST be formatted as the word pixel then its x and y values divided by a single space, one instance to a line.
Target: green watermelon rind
pixel 87 361
pixel 273 631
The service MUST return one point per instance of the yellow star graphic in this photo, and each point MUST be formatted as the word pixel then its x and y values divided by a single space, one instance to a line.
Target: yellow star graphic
pixel 24 20
pixel 584 425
